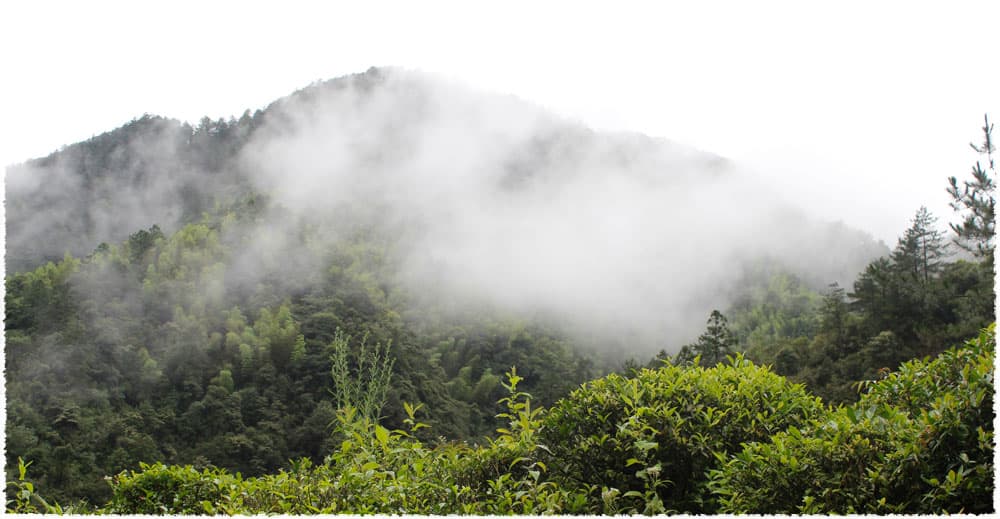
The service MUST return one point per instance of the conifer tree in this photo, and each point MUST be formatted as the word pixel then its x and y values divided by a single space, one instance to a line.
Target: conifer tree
pixel 976 202
pixel 833 315
pixel 921 249
pixel 713 345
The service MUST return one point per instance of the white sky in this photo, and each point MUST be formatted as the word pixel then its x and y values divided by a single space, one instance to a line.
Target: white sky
pixel 863 108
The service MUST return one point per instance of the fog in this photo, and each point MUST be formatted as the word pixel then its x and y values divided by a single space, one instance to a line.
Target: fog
pixel 502 203
pixel 148 172
pixel 483 201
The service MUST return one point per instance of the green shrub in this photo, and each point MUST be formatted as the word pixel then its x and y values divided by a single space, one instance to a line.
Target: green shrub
pixel 653 437
pixel 732 438
pixel 949 467
pixel 24 499
pixel 375 471
pixel 919 441
pixel 508 475
pixel 821 468
pixel 162 489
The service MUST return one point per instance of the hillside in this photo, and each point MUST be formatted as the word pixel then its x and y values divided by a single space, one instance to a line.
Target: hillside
pixel 213 295
pixel 483 198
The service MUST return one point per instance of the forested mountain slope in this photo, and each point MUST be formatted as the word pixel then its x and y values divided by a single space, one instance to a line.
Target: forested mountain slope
pixel 472 184
pixel 732 438
pixel 181 294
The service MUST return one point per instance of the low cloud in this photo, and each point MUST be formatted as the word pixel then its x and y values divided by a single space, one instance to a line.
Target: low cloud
pixel 485 201
pixel 503 203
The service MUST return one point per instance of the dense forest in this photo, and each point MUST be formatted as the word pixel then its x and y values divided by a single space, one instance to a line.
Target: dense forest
pixel 188 331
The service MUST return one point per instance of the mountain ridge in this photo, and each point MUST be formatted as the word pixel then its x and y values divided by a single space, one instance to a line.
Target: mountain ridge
pixel 210 148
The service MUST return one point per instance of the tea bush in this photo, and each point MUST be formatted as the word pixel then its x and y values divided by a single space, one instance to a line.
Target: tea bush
pixel 162 489
pixel 375 471
pixel 26 500
pixel 949 466
pixel 653 437
pixel 822 467
pixel 918 441
pixel 731 438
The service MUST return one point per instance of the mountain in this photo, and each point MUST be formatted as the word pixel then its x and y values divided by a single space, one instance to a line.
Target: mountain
pixel 485 197
pixel 180 293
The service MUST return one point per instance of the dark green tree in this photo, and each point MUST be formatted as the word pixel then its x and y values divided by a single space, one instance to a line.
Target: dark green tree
pixel 833 314
pixel 921 249
pixel 713 345
pixel 141 241
pixel 876 293
pixel 976 202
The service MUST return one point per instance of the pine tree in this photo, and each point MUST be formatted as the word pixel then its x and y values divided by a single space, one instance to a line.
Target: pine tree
pixel 976 201
pixel 876 294
pixel 833 313
pixel 921 249
pixel 713 345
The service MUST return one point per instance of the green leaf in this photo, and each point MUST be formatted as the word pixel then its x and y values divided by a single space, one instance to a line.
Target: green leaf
pixel 382 435
pixel 644 445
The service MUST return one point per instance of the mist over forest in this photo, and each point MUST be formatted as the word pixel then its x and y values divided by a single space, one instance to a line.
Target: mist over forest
pixel 483 198
pixel 237 294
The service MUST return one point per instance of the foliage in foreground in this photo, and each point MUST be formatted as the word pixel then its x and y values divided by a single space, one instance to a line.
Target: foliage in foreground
pixel 373 471
pixel 26 501
pixel 919 441
pixel 730 438
pixel 655 435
